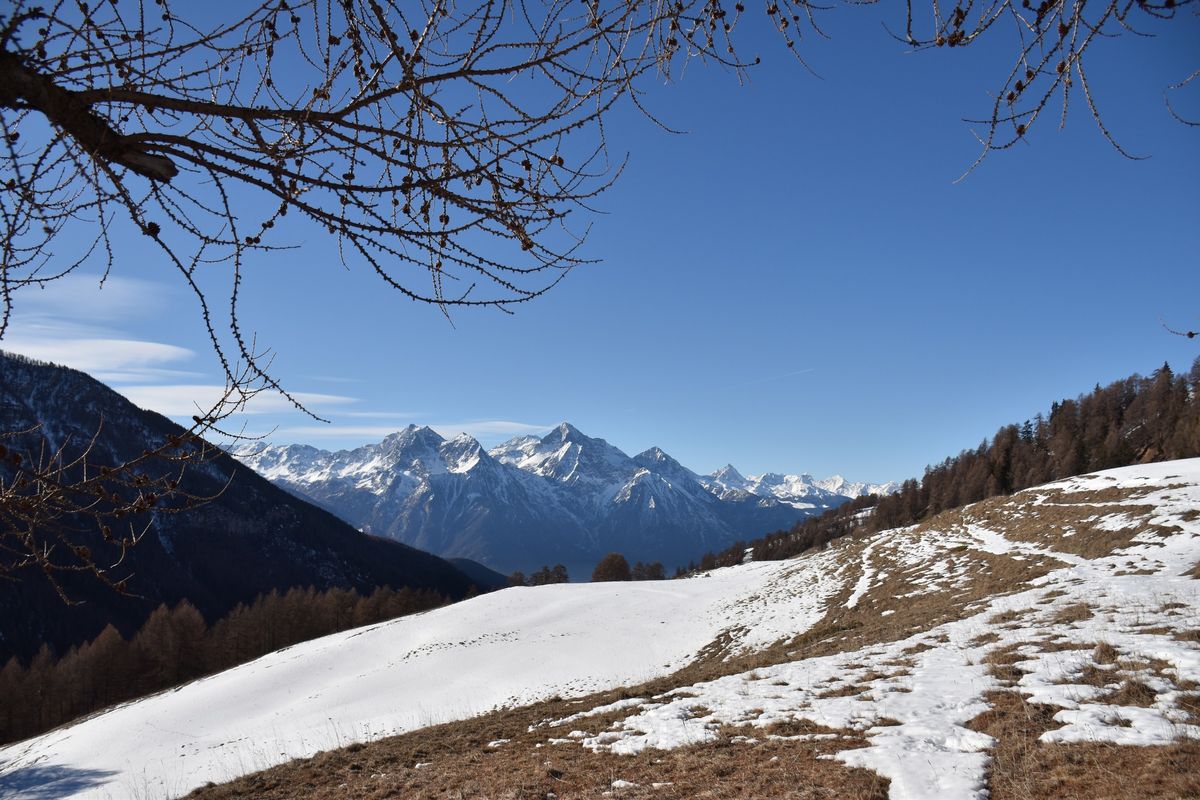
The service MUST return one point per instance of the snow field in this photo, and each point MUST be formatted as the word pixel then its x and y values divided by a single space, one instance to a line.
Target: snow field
pixel 507 648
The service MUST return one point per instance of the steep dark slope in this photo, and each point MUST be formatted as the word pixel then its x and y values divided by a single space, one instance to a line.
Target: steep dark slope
pixel 254 537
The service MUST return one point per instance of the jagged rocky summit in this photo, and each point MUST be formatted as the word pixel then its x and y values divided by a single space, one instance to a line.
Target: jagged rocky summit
pixel 561 498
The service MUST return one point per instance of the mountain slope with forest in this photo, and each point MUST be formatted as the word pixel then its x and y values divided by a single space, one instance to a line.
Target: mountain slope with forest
pixel 1021 644
pixel 252 538
pixel 1136 420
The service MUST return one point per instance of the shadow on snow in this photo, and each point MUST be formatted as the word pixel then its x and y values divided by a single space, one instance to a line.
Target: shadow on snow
pixel 43 782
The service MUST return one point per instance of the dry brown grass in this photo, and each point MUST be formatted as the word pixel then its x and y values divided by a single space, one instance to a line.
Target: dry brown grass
pixel 1075 512
pixel 459 765
pixel 984 638
pixel 1025 769
pixel 1002 664
pixel 846 690
pixel 1189 704
pixel 1105 653
pixel 1076 612
pixel 1131 693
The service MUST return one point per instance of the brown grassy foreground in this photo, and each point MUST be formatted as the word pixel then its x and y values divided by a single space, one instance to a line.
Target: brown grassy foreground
pixel 458 761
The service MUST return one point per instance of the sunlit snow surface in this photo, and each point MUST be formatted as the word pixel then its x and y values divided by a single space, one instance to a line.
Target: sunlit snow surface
pixel 507 648
pixel 933 692
pixel 523 645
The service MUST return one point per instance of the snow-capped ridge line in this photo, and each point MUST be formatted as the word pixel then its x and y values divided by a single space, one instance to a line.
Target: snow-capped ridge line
pixel 563 497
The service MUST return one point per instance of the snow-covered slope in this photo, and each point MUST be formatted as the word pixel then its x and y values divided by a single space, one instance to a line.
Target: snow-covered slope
pixel 562 498
pixel 506 648
pixel 903 632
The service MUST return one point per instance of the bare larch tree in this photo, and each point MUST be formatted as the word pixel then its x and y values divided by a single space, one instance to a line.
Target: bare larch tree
pixel 446 145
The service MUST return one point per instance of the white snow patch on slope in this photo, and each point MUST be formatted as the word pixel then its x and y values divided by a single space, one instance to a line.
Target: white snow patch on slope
pixel 508 648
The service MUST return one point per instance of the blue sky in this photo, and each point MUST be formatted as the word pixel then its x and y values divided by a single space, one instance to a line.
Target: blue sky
pixel 795 284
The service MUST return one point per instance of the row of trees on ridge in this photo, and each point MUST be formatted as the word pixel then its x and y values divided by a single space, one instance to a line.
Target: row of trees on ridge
pixel 1135 420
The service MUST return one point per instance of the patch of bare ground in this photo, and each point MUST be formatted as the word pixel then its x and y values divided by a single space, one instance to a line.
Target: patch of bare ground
pixel 457 762
pixel 1132 693
pixel 1002 663
pixel 1011 615
pixel 1076 612
pixel 1194 572
pixel 1053 645
pixel 1077 513
pixel 1189 703
pixel 1023 768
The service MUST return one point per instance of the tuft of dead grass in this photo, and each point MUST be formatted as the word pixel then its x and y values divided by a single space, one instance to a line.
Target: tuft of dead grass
pixel 1076 612
pixel 1132 693
pixel 1105 653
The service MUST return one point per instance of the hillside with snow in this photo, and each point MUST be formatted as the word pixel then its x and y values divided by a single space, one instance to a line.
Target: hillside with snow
pixel 561 498
pixel 903 664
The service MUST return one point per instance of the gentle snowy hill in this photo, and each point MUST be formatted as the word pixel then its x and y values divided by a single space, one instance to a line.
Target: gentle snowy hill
pixel 562 498
pixel 892 653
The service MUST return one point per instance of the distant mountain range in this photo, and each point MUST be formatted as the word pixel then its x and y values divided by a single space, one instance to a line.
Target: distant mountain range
pixel 251 539
pixel 561 498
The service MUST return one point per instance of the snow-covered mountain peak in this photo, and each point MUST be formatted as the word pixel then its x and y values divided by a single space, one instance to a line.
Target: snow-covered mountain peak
pixel 516 449
pixel 462 453
pixel 657 460
pixel 565 431
pixel 728 475
pixel 412 437
pixel 564 496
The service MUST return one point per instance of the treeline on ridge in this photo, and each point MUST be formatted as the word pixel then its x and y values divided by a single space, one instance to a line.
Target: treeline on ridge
pixel 176 645
pixel 1136 420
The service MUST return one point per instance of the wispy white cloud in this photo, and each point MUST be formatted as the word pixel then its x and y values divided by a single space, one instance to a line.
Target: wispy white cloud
pixel 487 432
pixel 184 400
pixel 413 415
pixel 79 321
pixel 488 429
pixel 84 299
pixel 109 359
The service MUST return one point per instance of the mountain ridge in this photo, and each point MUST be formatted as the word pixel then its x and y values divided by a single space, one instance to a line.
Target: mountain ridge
pixel 564 497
